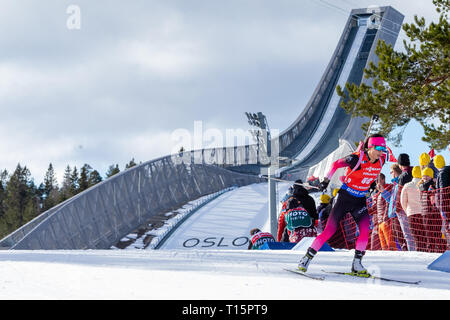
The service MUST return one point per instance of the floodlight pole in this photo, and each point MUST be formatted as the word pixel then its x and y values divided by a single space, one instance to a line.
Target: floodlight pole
pixel 259 120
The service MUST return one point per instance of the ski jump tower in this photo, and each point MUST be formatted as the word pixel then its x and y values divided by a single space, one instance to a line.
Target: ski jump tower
pixel 100 216
pixel 324 132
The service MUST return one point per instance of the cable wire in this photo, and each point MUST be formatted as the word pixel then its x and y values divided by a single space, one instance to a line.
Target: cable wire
pixel 346 12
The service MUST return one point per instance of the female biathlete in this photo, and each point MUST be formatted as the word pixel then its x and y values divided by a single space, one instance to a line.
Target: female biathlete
pixel 363 168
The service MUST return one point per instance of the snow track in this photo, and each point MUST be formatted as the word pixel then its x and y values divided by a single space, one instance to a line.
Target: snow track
pixel 225 223
pixel 210 274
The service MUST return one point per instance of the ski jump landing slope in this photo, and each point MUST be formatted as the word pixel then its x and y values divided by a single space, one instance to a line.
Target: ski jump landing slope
pixel 225 223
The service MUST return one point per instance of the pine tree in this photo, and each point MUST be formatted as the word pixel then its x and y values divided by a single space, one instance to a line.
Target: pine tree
pixel 94 178
pixel 83 182
pixel 112 170
pixel 33 208
pixel 3 183
pixel 130 164
pixel 409 85
pixel 66 187
pixel 74 182
pixel 51 193
pixel 21 204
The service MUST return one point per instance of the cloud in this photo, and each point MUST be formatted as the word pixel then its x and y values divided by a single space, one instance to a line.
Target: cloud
pixel 136 71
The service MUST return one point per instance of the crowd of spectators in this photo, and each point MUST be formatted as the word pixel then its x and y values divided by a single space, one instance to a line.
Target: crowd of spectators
pixel 409 210
pixel 412 212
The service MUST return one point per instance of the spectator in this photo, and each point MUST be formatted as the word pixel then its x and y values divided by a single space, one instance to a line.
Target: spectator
pixel 281 235
pixel 259 238
pixel 400 225
pixel 443 195
pixel 425 162
pixel 405 166
pixel 384 223
pixel 443 177
pixel 411 203
pixel 427 182
pixel 313 181
pixel 299 222
pixel 324 213
pixel 324 203
pixel 432 220
pixel 306 201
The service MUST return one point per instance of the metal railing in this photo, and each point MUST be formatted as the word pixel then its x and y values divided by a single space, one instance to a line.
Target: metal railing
pixel 100 216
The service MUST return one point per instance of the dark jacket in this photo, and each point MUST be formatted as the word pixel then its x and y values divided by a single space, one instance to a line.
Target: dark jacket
pixel 427 186
pixel 307 202
pixel 443 178
pixel 405 176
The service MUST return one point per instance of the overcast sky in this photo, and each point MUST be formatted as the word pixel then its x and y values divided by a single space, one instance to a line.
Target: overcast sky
pixel 118 84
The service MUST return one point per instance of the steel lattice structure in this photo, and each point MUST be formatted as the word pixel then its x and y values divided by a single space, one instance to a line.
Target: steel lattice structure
pixel 103 214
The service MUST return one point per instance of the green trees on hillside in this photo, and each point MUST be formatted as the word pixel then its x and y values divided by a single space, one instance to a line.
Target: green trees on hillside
pixel 21 199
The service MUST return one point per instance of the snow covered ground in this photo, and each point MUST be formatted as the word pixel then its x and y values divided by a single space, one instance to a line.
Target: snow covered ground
pixel 210 274
pixel 214 268
pixel 226 222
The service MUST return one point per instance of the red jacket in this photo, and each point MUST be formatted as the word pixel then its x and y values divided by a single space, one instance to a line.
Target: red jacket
pixel 282 221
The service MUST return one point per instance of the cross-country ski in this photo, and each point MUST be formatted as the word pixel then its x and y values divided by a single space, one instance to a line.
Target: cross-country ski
pixel 352 274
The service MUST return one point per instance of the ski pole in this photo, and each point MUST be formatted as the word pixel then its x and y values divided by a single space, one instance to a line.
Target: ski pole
pixel 298 184
pixel 372 120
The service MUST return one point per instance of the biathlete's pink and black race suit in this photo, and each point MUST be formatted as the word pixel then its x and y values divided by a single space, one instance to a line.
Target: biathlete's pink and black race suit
pixel 352 197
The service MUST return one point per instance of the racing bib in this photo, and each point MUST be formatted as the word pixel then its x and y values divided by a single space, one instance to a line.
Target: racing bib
pixel 297 218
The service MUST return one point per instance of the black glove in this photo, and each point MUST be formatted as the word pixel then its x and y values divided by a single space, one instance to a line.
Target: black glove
pixel 324 185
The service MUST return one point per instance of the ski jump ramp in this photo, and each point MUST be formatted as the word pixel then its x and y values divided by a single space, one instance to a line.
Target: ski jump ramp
pixel 100 216
pixel 324 128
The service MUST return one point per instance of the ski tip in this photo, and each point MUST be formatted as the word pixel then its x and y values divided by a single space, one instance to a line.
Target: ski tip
pixel 301 273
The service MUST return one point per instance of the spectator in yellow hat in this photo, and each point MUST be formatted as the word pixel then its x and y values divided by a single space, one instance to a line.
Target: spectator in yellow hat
pixel 443 176
pixel 417 172
pixel 324 202
pixel 323 210
pixel 427 182
pixel 425 162
pixel 443 196
pixel 325 199
pixel 411 203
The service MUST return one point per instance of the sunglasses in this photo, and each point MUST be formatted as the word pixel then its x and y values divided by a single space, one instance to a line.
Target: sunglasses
pixel 380 148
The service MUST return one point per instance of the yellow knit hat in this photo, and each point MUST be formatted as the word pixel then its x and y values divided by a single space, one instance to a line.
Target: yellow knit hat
pixel 335 191
pixel 424 159
pixel 416 172
pixel 428 172
pixel 439 161
pixel 324 198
